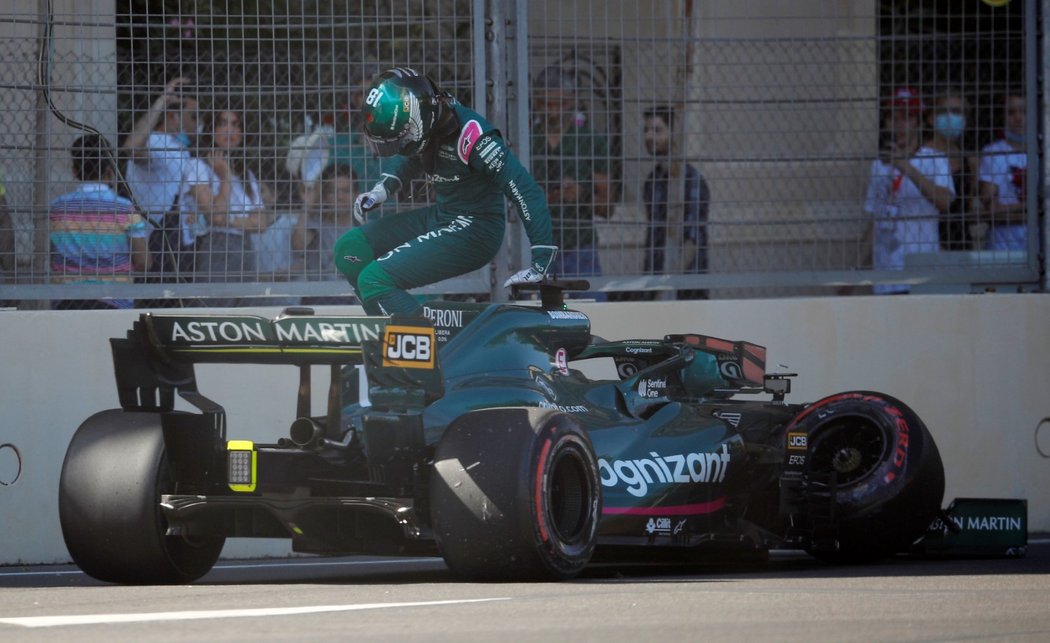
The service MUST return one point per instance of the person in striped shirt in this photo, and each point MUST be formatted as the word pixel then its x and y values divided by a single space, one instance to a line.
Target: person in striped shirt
pixel 97 236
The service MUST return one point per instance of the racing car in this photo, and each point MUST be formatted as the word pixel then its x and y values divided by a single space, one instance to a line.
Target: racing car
pixel 472 432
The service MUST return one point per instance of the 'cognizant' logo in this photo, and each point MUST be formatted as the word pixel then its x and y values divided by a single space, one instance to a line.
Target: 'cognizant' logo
pixel 685 468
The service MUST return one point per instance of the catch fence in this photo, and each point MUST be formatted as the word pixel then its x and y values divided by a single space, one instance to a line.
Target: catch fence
pixel 687 149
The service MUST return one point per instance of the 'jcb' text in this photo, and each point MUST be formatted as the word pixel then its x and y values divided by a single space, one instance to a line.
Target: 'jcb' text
pixel 408 347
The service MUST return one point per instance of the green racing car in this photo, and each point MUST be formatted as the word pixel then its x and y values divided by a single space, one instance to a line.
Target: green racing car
pixel 472 433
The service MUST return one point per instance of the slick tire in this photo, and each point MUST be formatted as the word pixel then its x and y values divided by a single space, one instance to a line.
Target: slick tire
pixel 515 495
pixel 888 479
pixel 113 475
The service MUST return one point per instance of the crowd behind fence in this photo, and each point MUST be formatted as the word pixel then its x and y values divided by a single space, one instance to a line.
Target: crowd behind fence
pixel 208 152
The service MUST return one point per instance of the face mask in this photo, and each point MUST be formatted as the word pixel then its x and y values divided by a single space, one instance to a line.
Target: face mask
pixel 183 138
pixel 949 125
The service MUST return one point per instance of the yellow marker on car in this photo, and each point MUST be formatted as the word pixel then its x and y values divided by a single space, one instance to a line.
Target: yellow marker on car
pixel 241 465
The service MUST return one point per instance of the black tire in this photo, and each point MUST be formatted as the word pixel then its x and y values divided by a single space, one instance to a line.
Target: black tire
pixel 888 475
pixel 515 495
pixel 114 473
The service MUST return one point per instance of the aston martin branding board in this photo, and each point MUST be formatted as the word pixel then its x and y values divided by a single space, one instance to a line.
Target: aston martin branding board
pixel 250 330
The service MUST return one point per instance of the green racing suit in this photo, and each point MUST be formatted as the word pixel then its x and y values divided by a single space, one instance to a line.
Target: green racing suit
pixel 471 172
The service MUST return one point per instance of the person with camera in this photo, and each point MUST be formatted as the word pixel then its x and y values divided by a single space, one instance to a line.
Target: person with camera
pixel 909 189
pixel 168 183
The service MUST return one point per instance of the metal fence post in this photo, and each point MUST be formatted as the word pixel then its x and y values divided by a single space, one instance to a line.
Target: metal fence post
pixel 498 22
pixel 41 162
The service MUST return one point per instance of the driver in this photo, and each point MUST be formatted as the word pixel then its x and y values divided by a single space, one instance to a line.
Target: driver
pixel 471 168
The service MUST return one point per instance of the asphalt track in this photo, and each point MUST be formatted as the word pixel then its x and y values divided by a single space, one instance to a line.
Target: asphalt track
pixel 789 598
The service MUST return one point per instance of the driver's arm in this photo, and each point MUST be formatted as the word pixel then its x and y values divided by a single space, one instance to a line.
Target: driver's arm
pixel 493 158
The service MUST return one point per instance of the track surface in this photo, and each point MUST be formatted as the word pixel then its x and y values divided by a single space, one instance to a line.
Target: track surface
pixel 790 598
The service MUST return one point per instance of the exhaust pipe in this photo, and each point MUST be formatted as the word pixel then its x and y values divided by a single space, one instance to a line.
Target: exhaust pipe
pixel 305 432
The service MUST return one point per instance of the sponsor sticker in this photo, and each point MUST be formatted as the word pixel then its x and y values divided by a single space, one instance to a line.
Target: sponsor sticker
pixel 468 137
pixel 408 346
pixel 658 526
pixel 798 441
pixel 561 361
pixel 652 388
pixel 639 474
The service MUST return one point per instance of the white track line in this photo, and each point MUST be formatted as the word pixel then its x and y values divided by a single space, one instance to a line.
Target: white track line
pixel 98 619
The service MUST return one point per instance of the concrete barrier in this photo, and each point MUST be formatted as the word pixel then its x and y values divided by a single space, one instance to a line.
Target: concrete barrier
pixel 976 368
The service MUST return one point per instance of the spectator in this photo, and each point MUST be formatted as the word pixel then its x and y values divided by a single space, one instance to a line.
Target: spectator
pixel 163 177
pixel 273 246
pixel 910 188
pixel 471 169
pixel 238 206
pixel 570 163
pixel 676 200
pixel 328 213
pixel 96 235
pixel 948 121
pixel 1003 168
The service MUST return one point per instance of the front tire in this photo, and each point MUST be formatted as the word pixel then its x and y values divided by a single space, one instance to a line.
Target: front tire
pixel 885 470
pixel 114 473
pixel 515 495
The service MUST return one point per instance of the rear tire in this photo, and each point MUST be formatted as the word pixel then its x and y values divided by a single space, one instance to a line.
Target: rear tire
pixel 889 479
pixel 515 495
pixel 114 473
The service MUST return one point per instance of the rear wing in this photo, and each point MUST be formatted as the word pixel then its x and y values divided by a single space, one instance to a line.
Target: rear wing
pixel 248 339
pixel 156 360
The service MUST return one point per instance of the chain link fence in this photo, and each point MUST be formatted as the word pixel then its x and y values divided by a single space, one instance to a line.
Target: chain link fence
pixel 687 149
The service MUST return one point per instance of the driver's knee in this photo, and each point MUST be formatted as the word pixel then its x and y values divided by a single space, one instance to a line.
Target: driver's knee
pixel 374 282
pixel 353 254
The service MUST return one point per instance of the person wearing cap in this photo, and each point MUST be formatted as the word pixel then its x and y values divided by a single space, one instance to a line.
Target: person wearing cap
pixel 1003 167
pixel 909 189
pixel 426 132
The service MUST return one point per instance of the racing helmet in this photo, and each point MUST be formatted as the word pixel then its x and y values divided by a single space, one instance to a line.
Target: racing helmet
pixel 400 110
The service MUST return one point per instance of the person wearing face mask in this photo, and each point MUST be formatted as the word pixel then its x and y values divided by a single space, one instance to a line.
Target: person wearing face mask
pixel 1003 169
pixel 948 121
pixel 162 172
pixel 910 188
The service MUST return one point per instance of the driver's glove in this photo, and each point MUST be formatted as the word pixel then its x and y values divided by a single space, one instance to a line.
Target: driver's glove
pixel 542 257
pixel 368 201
